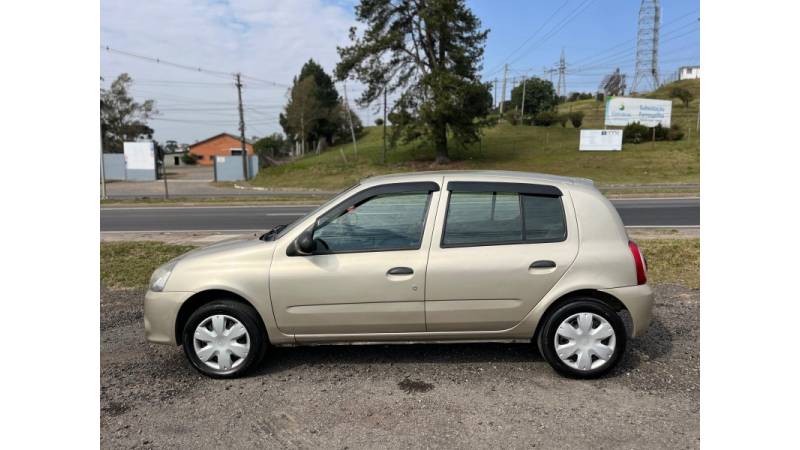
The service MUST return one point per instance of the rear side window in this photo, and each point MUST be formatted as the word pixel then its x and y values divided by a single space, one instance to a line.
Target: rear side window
pixel 483 217
pixel 493 218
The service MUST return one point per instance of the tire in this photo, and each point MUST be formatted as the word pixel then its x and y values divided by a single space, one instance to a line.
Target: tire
pixel 232 352
pixel 577 349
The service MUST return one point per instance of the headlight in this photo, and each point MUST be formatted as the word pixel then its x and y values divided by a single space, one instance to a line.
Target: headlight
pixel 160 276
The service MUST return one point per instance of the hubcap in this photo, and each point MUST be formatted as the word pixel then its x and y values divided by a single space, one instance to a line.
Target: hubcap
pixel 585 341
pixel 221 342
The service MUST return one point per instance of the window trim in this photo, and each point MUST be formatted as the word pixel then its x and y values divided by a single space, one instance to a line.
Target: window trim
pixel 427 187
pixel 520 189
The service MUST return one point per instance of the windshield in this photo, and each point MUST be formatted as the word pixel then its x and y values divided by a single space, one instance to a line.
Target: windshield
pixel 337 198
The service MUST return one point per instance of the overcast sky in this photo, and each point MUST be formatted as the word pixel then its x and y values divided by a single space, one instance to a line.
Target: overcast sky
pixel 271 39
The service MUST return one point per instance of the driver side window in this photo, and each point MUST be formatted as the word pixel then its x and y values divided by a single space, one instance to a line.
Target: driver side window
pixel 384 222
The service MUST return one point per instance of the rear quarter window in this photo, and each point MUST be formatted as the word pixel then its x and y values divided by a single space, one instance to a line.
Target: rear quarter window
pixel 494 218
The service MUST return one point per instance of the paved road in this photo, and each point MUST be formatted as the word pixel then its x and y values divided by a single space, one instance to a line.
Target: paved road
pixel 634 212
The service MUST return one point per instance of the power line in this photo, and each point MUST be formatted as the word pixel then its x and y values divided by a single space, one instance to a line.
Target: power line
pixel 187 67
pixel 555 30
pixel 500 66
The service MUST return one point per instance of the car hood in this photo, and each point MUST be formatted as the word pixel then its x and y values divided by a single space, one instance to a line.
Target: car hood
pixel 228 247
pixel 237 264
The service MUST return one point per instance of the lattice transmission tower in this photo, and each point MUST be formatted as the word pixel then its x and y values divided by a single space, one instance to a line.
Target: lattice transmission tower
pixel 562 75
pixel 647 47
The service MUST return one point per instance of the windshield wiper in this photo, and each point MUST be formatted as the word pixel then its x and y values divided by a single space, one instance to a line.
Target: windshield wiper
pixel 270 235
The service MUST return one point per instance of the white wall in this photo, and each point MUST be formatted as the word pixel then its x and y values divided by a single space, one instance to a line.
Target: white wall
pixel 689 73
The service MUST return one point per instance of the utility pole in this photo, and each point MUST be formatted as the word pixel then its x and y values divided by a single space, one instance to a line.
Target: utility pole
pixel 350 119
pixel 524 85
pixel 164 173
pixel 241 126
pixel 494 98
pixel 103 195
pixel 503 94
pixel 384 124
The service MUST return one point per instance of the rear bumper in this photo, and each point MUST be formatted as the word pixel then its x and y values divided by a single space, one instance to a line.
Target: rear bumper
pixel 160 312
pixel 639 302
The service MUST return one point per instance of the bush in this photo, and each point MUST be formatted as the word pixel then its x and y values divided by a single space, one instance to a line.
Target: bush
pixel 562 119
pixel 544 118
pixel 189 158
pixel 512 118
pixel 636 133
pixel 675 133
pixel 527 120
pixel 576 118
pixel 378 121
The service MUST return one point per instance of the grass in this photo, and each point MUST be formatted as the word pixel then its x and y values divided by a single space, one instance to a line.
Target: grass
pixel 130 264
pixel 674 261
pixel 506 147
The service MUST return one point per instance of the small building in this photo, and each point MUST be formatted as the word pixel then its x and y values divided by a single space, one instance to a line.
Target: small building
pixel 689 73
pixel 223 144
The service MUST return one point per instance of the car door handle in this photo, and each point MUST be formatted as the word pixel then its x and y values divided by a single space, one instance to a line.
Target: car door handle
pixel 400 271
pixel 542 264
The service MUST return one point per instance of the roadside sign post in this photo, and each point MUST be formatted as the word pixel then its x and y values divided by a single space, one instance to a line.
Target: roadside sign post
pixel 600 140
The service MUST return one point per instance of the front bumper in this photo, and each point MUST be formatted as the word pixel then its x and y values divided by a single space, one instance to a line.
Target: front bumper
pixel 160 312
pixel 639 302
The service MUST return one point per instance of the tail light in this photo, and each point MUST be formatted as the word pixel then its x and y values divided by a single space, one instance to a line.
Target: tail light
pixel 641 265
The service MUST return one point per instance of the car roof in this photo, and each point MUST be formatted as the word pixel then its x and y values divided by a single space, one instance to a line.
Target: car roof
pixel 478 175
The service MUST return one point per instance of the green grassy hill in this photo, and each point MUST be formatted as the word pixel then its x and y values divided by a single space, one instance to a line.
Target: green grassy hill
pixel 528 148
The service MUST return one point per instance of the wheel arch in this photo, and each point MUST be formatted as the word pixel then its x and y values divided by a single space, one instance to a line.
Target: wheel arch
pixel 203 297
pixel 604 297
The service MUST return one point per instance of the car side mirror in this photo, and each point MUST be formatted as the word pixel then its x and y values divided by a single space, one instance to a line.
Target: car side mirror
pixel 304 244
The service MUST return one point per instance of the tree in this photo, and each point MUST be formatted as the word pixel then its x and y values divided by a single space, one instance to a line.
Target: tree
pixel 613 83
pixel 683 94
pixel 270 147
pixel 429 50
pixel 121 118
pixel 302 111
pixel 539 96
pixel 342 121
pixel 327 96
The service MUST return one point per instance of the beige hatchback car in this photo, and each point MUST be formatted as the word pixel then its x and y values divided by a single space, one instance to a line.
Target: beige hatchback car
pixel 424 257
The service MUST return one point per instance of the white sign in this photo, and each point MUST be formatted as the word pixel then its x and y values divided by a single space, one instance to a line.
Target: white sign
pixel 621 111
pixel 601 140
pixel 140 155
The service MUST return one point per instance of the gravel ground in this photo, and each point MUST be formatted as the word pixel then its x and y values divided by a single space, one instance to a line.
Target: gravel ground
pixel 390 396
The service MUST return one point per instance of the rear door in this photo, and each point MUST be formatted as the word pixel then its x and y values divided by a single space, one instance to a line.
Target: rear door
pixel 500 249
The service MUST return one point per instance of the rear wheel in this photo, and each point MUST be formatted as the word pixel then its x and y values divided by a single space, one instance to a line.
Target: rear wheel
pixel 583 339
pixel 223 339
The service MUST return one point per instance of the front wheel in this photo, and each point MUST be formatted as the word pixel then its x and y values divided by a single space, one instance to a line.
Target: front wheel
pixel 223 339
pixel 583 339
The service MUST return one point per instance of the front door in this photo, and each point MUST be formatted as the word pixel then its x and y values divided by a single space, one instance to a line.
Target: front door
pixel 501 248
pixel 367 274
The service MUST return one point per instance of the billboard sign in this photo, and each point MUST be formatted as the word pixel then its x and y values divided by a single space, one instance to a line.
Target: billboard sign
pixel 621 111
pixel 600 140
